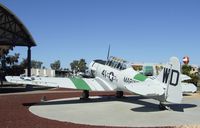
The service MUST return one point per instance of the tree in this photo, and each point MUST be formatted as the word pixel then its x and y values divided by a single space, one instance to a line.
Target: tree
pixel 82 65
pixel 186 69
pixel 12 59
pixel 55 65
pixel 78 65
pixel 5 61
pixel 24 63
pixel 74 65
pixel 36 64
pixel 199 70
pixel 137 67
pixel 9 66
pixel 194 77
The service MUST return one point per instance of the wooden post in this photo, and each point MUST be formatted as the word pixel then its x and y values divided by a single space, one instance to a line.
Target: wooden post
pixel 29 61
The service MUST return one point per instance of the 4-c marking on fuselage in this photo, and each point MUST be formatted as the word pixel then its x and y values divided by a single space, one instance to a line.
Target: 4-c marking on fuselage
pixel 109 75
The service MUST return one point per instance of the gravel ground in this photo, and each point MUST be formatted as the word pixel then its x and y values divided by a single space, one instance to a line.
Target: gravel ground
pixel 14 111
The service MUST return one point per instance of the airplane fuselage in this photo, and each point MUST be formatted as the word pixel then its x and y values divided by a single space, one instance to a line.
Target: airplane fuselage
pixel 116 77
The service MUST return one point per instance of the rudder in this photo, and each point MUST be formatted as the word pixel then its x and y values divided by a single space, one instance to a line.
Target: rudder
pixel 170 77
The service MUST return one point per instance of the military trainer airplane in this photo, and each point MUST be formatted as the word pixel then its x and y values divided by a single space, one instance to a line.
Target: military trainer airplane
pixel 116 75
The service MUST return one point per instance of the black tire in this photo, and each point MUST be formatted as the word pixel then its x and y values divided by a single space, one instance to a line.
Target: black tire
pixel 85 94
pixel 119 94
pixel 162 107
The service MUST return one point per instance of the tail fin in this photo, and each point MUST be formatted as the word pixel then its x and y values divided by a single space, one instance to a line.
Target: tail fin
pixel 170 77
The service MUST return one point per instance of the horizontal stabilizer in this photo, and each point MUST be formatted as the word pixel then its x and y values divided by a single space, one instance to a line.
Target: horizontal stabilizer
pixel 185 77
pixel 145 89
pixel 188 88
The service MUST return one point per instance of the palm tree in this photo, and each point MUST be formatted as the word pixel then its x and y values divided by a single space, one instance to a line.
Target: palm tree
pixel 55 65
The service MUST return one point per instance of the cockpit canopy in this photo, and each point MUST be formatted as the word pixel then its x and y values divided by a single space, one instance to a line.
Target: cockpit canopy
pixel 117 63
pixel 100 61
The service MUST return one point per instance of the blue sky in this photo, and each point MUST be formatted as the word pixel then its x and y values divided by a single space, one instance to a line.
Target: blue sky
pixel 137 30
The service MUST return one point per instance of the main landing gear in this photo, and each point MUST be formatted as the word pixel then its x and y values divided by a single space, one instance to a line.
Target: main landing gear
pixel 119 94
pixel 162 106
pixel 84 95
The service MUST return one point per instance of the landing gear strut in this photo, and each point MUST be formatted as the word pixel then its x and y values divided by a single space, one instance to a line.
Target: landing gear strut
pixel 119 94
pixel 163 107
pixel 84 95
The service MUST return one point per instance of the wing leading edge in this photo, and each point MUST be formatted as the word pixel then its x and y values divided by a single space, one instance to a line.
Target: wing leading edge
pixel 90 84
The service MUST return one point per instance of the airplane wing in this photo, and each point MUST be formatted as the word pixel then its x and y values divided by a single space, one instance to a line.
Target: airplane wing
pixel 93 84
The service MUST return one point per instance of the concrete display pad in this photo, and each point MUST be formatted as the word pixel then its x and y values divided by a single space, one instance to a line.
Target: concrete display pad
pixel 132 111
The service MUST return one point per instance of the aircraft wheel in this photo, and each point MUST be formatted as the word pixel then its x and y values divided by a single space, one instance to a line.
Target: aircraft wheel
pixel 119 94
pixel 85 94
pixel 163 107
pixel 29 87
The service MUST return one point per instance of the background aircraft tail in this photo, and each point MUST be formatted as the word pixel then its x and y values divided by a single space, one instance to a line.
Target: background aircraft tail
pixel 170 77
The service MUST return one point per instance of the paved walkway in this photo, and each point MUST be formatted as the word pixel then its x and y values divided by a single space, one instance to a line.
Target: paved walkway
pixel 134 111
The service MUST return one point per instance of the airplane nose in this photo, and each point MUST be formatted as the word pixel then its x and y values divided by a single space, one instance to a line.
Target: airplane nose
pixel 92 68
pixel 91 64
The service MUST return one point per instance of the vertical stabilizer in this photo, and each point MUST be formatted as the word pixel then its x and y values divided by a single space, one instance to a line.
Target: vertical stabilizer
pixel 170 76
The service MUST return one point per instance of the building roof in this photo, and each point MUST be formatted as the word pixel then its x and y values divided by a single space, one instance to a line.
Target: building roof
pixel 12 32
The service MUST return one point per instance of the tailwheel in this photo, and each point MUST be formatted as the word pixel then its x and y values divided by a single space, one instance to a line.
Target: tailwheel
pixel 163 107
pixel 84 95
pixel 119 94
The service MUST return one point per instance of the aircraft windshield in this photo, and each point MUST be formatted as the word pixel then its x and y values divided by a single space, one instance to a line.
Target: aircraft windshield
pixel 117 63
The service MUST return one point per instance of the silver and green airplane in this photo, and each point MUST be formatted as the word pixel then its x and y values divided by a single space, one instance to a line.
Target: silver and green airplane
pixel 117 75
